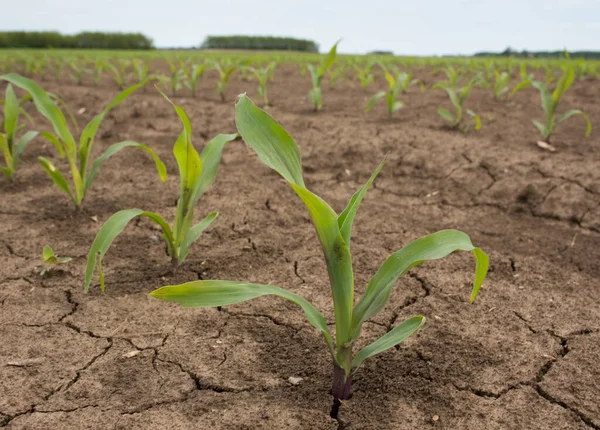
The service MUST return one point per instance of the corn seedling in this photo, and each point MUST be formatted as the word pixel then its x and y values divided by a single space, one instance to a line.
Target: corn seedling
pixel 51 260
pixel 79 70
pixel 390 95
pixel 141 70
pixel 262 76
pixel 404 80
pixel 194 77
pixel 336 75
pixel 276 148
pixel 550 103
pixel 11 147
pixel 176 77
pixel 120 75
pixel 364 75
pixel 225 70
pixel 458 97
pixel 526 80
pixel 196 173
pixel 99 68
pixel 78 157
pixel 500 84
pixel 316 75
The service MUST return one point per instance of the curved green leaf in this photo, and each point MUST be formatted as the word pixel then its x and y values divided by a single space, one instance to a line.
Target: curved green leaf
pixel 22 144
pixel 50 137
pixel 111 229
pixel 211 158
pixel 329 59
pixel 431 247
pixel 274 146
pixel 194 233
pixel 86 140
pixel 46 107
pixel 223 293
pixel 374 100
pixel 346 218
pixel 392 338
pixel 113 149
pixel 11 113
pixel 446 115
pixel 56 176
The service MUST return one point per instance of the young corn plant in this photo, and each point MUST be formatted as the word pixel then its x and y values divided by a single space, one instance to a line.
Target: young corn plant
pixel 79 70
pixel 316 75
pixel 262 76
pixel 51 260
pixel 11 147
pixel 225 70
pixel 390 96
pixel 194 77
pixel 526 80
pixel 78 156
pixel 550 103
pixel 500 84
pixel 141 70
pixel 458 97
pixel 99 68
pixel 276 148
pixel 196 174
pixel 120 75
pixel 336 75
pixel 364 75
pixel 176 77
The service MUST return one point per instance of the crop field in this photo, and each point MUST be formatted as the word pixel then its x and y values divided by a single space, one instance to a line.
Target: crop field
pixel 205 201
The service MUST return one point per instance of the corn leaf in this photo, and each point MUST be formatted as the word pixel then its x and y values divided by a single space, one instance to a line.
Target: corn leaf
pixel 211 158
pixel 392 338
pixel 346 218
pixel 194 233
pixel 111 229
pixel 329 59
pixel 56 176
pixel 11 113
pixel 50 137
pixel 113 149
pixel 86 139
pixel 224 293
pixel 374 100
pixel 446 115
pixel 22 144
pixel 431 247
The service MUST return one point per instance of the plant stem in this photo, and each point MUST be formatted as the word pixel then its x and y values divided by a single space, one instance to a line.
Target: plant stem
pixel 342 383
pixel 174 265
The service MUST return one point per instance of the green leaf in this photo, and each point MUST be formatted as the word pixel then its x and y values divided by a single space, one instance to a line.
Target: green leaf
pixel 113 149
pixel 547 101
pixel 392 338
pixel 194 233
pixel 48 255
pixel 431 247
pixel 224 293
pixel 274 146
pixel 329 59
pixel 46 107
pixel 522 85
pixel 346 218
pixel 542 128
pixel 86 140
pixel 11 113
pixel 50 137
pixel 397 105
pixel 111 229
pixel 477 119
pixel 56 176
pixel 22 144
pixel 211 158
pixel 446 115
pixel 374 100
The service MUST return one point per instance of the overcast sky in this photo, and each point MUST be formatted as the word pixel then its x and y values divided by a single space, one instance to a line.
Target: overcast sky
pixel 426 27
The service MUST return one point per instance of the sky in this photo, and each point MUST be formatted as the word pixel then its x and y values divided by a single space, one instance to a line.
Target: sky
pixel 426 27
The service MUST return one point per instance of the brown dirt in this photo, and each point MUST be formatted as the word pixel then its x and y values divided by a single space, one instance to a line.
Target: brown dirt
pixel 524 356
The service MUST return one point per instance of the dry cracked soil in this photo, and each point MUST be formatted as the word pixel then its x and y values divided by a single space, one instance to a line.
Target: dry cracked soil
pixel 524 356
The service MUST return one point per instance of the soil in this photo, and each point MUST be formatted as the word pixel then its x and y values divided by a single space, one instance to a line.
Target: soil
pixel 523 356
